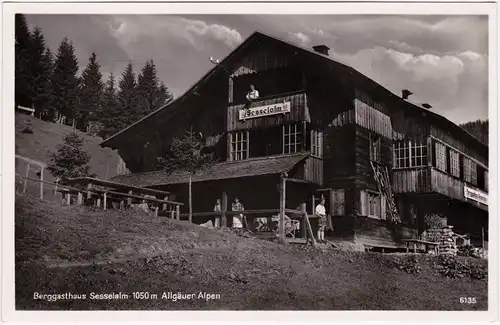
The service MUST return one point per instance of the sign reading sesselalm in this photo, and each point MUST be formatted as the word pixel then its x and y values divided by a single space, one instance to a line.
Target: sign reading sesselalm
pixel 260 111
pixel 476 195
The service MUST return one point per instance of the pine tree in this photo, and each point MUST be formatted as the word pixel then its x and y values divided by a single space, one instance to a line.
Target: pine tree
pixel 110 114
pixel 147 87
pixel 70 160
pixel 479 129
pixel 22 54
pixel 127 97
pixel 186 154
pixel 91 94
pixel 164 96
pixel 152 93
pixel 64 83
pixel 48 113
pixel 40 70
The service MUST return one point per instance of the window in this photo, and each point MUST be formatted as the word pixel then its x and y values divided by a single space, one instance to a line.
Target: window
pixel 239 145
pixel 375 148
pixel 317 143
pixel 409 154
pixel 292 138
pixel 454 163
pixel 265 142
pixel 440 156
pixel 372 205
pixel 470 171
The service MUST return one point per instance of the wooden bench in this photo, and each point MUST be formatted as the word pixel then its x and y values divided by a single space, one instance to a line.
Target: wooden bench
pixel 428 245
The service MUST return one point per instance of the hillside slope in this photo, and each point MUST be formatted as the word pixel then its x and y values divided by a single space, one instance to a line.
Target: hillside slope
pixel 73 249
pixel 47 136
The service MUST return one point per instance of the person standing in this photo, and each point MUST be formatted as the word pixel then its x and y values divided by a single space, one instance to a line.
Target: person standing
pixel 237 219
pixel 321 220
pixel 252 94
pixel 217 208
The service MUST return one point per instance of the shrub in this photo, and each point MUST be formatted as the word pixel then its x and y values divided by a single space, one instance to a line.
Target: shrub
pixel 407 264
pixel 453 267
pixel 466 250
pixel 433 220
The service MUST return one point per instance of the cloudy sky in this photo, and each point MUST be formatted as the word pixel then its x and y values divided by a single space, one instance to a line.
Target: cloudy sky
pixel 443 60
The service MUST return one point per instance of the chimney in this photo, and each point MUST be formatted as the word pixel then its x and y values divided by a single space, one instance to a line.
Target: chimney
pixel 406 93
pixel 323 49
pixel 426 106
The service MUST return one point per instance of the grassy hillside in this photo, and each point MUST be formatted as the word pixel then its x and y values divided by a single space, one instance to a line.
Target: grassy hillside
pixel 61 249
pixel 48 135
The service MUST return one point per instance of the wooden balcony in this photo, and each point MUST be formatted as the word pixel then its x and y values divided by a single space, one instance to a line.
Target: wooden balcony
pixel 431 180
pixel 298 112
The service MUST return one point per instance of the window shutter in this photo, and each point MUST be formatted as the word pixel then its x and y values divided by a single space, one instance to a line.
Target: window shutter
pixel 364 203
pixel 383 207
pixel 338 202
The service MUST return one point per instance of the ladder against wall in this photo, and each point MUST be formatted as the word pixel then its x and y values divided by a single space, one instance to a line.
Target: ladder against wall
pixel 381 175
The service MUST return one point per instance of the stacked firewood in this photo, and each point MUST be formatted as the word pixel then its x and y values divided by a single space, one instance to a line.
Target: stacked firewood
pixel 446 239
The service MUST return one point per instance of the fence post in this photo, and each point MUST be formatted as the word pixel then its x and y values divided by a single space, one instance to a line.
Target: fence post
pixel 104 201
pixel 282 209
pixel 68 198
pixel 80 198
pixel 223 210
pixel 26 178
pixel 41 183
pixel 156 211
pixel 303 225
pixel 178 211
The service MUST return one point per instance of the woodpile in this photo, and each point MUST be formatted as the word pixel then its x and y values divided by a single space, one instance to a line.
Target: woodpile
pixel 446 239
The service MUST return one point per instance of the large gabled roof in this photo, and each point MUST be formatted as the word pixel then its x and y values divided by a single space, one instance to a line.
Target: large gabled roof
pixel 355 76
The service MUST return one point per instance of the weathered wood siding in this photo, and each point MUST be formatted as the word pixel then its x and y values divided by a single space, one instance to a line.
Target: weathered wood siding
pixel 408 126
pixel 364 171
pixel 447 185
pixel 372 119
pixel 299 112
pixel 412 180
pixel 378 233
pixel 261 58
pixel 447 138
pixel 311 170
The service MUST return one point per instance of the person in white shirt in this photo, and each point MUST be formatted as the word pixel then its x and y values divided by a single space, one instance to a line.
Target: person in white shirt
pixel 238 220
pixel 321 219
pixel 253 94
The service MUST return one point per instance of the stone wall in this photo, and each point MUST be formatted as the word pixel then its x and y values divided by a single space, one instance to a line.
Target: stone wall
pixel 445 237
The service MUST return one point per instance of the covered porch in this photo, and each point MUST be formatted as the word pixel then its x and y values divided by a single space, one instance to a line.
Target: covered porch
pixel 267 187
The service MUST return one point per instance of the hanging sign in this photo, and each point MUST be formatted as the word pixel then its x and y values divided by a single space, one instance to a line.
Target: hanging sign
pixel 476 195
pixel 261 111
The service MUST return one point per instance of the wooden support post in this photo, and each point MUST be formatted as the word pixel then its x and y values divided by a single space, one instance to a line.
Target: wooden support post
pixel 105 203
pixel 41 183
pixel 482 238
pixel 224 210
pixel 312 204
pixel 172 214
pixel 80 198
pixel 415 248
pixel 178 211
pixel 26 178
pixel 303 226
pixel 282 209
pixel 129 200
pixel 89 187
pixel 68 198
pixel 164 207
pixel 98 203
pixel 156 211
pixel 122 205
pixel 309 230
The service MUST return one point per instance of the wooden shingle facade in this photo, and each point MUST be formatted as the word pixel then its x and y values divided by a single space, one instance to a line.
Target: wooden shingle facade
pixel 326 125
